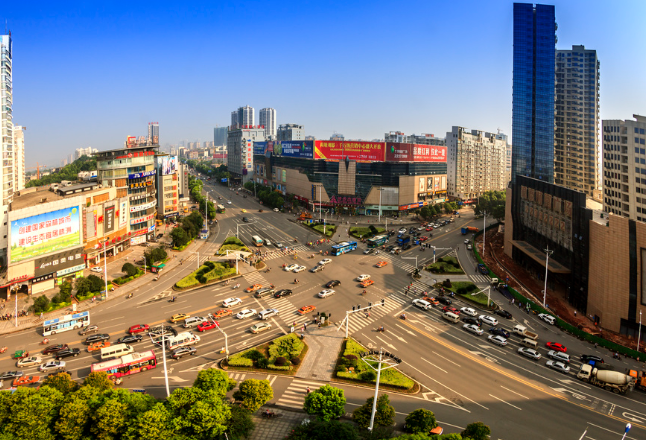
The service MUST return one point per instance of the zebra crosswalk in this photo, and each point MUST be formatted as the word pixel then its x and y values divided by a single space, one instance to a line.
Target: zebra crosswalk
pixel 285 304
pixel 480 278
pixel 294 395
pixel 255 278
pixel 279 253
pixel 359 320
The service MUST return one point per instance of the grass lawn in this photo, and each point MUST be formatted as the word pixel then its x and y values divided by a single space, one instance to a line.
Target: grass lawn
pixel 232 244
pixel 361 232
pixel 219 271
pixel 466 294
pixel 329 229
pixel 445 265
pixel 290 347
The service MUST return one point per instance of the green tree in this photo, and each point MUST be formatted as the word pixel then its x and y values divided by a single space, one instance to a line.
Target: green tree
pixel 97 283
pixel 62 382
pixel 240 424
pixel 493 203
pixel 41 304
pixel 32 412
pixel 425 212
pixel 129 269
pixel 83 286
pixel 421 436
pixel 110 420
pixel 420 420
pixel 214 380
pixel 198 414
pixel 384 416
pixel 254 393
pixel 154 424
pixel 327 403
pixel 318 429
pixel 65 292
pixel 98 380
pixel 476 431
pixel 180 237
pixel 73 421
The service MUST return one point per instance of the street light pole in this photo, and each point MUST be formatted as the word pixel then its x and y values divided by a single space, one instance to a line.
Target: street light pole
pixel 349 312
pixel 390 361
pixel 319 203
pixel 484 233
pixel 548 252
pixel 379 219
pixel 640 330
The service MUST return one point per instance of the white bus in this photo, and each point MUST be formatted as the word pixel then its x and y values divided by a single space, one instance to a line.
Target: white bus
pixel 67 322
pixel 257 241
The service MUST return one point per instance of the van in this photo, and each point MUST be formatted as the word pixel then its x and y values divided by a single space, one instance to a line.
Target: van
pixel 190 322
pixel 267 242
pixel 450 317
pixel 115 351
pixel 528 343
pixel 264 292
pixel 182 340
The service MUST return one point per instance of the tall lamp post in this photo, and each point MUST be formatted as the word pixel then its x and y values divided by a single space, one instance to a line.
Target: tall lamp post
pixel 384 360
pixel 548 252
pixel 163 332
pixel 484 232
pixel 639 334
pixel 105 265
pixel 379 219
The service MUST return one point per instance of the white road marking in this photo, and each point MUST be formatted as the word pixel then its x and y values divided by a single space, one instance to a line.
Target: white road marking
pixel 512 391
pixel 498 398
pixel 448 360
pixel 431 363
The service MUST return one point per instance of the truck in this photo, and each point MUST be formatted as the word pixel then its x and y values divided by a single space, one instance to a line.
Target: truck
pixel 639 378
pixel 613 381
pixel 464 231
pixel 472 229
pixel 521 330
pixel 403 241
pixel 305 216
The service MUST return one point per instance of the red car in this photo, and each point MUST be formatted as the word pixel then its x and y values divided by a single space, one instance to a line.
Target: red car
pixel 556 347
pixel 207 325
pixel 451 309
pixel 423 238
pixel 138 328
pixel 429 229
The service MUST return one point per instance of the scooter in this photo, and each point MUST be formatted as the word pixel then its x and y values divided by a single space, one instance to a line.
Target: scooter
pixel 129 295
pixel 270 415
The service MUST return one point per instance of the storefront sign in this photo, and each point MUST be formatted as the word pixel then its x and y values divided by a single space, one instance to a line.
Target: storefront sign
pixel 41 278
pixel 341 200
pixel 142 219
pixel 142 174
pixel 353 150
pixel 141 184
pixel 123 212
pixel 69 270
pixel 142 207
pixel 137 240
pixel 411 206
pixel 58 262
pixel 109 219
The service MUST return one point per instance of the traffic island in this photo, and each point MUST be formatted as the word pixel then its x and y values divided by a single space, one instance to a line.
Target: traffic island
pixel 208 273
pixel 326 229
pixel 465 290
pixel 283 355
pixel 445 266
pixel 366 232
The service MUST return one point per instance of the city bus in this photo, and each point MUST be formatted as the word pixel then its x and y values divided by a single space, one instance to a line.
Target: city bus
pixel 344 247
pixel 257 241
pixel 221 209
pixel 65 323
pixel 377 241
pixel 126 365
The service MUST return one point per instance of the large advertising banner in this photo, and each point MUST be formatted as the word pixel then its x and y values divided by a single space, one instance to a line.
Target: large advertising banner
pixel 353 150
pixel 259 147
pixel 169 165
pixel 399 152
pixel 108 219
pixel 44 233
pixel 303 149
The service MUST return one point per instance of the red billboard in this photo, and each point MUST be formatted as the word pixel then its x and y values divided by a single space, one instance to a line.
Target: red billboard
pixel 399 152
pixel 353 150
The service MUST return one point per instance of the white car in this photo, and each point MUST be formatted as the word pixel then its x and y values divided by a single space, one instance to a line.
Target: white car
pixel 422 304
pixel 267 313
pixel 260 327
pixel 230 302
pixel 498 340
pixel 402 231
pixel 291 267
pixel 97 269
pixel 469 247
pixel 363 277
pixel 466 241
pixel 530 353
pixel 52 365
pixel 242 314
pixel 228 202
pixel 488 320
pixel 276 210
pixel 324 261
pixel 558 356
pixel 473 329
pixel 28 362
pixel 547 318
pixel 299 269
pixel 558 366
pixel 326 292
pixel 469 311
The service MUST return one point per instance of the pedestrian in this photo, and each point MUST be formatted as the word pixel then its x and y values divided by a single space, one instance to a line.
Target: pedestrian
pixel 291 330
pixel 305 326
pixel 41 315
pixel 308 390
pixel 575 313
pixel 319 324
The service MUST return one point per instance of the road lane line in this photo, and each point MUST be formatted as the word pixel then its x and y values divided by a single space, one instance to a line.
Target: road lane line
pixel 498 398
pixel 431 363
pixel 446 359
pixel 512 391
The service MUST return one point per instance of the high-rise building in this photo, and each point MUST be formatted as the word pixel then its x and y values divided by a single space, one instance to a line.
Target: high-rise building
pixel 533 91
pixel 290 132
pixel 19 157
pixel 240 151
pixel 244 116
pixel 268 120
pixel 234 118
pixel 6 119
pixel 167 185
pixel 220 136
pixel 624 167
pixel 153 133
pixel 475 163
pixel 422 139
pixel 576 145
pixel 89 151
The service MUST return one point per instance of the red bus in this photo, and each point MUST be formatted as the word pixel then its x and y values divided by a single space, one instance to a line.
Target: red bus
pixel 127 365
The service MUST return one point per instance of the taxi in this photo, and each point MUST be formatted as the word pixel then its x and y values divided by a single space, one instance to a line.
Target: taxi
pixel 381 263
pixel 306 309
pixel 253 288
pixel 222 313
pixel 366 283
pixel 98 346
pixel 244 210
pixel 431 300
pixel 25 380
pixel 179 317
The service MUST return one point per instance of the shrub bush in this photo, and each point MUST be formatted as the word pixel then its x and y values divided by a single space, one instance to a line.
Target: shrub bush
pixel 129 269
pixel 271 366
pixel 295 361
pixel 280 361
pixel 462 291
pixel 263 362
pixel 368 375
pixel 447 283
pixel 235 361
pixel 286 346
pixel 254 355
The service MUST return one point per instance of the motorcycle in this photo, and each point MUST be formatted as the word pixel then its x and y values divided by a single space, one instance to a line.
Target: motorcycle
pixel 172 300
pixel 270 415
pixel 3 349
pixel 380 329
pixel 44 341
pixel 402 316
pixel 129 295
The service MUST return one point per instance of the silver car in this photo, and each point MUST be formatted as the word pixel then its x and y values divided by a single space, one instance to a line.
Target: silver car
pixel 28 362
pixel 52 365
pixel 558 366
pixel 473 329
pixel 498 340
pixel 530 353
pixel 558 356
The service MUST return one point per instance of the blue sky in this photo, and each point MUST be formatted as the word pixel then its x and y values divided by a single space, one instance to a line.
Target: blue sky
pixel 90 75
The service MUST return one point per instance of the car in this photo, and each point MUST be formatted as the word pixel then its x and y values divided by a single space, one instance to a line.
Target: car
pixel 469 247
pixel 28 362
pixel 547 318
pixel 381 263
pixel 402 231
pixel 471 321
pixel 197 320
pixel 558 366
pixel 444 300
pixel 306 309
pixel 530 353
pixel 422 304
pixel 278 244
pixel 178 317
pixel 366 283
pixel 230 302
pixel 299 269
pixel 324 261
pixel 129 339
pixel 246 313
pixel 503 313
pixel 97 269
pixel 138 328
pixel 267 313
pixel 276 210
pixel 222 313
pixel 253 288
pixel 407 247
pixel 228 202
pixel 291 267
pixel 183 351
pixel 161 329
pixel 57 347
pixel 97 346
pixel 10 375
pixel 466 241
pixel 498 340
pixel 423 238
pixel 368 251
pixel 260 327
pixel 206 325
pixel 88 329
pixel 500 332
pixel 363 277
pixel 52 365
pixel 395 250
pixel 421 228
pixel 489 320
pixel 469 311
pixel 245 219
pixel 590 357
pixel 26 380
pixel 473 329
pixel 558 356
pixel 244 210
pixel 332 283
pixel 429 228
pixel 326 292
pixel 282 292
pixel 316 269
pixel 556 346
pixel 432 300
pixel 450 310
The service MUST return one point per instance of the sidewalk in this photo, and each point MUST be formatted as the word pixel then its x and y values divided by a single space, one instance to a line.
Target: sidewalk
pixel 275 428
pixel 324 345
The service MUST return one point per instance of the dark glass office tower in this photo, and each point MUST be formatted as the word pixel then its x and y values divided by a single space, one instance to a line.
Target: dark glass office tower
pixel 533 92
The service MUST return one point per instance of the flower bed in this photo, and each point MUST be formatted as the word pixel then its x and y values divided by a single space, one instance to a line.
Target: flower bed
pixel 445 265
pixel 232 244
pixel 283 354
pixel 208 272
pixel 123 280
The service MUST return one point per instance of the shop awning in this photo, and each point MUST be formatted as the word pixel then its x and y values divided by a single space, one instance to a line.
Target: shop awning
pixel 539 256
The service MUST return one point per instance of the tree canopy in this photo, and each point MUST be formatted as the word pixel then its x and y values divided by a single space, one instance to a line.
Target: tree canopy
pixel 493 203
pixel 68 172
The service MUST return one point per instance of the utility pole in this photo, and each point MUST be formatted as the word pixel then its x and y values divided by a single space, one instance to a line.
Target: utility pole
pixel 384 360
pixel 548 252
pixel 358 309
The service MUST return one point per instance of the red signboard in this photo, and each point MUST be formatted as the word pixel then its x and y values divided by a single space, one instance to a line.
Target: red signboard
pixel 353 150
pixel 399 152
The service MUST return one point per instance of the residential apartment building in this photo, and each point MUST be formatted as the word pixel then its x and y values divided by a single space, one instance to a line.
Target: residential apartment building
pixel 167 185
pixel 240 151
pixel 244 116
pixel 533 91
pixel 268 120
pixel 19 157
pixel 153 133
pixel 576 145
pixel 476 163
pixel 624 167
pixel 89 151
pixel 183 180
pixel 290 132
pixel 220 136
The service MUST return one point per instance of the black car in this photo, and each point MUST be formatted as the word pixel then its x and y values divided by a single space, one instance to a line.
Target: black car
pixel 54 348
pixel 88 329
pixel 390 248
pixel 473 321
pixel 503 313
pixel 97 338
pixel 332 283
pixel 590 357
pixel 130 339
pixel 10 375
pixel 499 332
pixel 68 352
pixel 160 235
pixel 283 292
pixel 408 246
pixel 183 351
pixel 245 219
pixel 444 300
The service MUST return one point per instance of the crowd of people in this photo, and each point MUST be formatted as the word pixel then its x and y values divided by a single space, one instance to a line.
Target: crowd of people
pixel 10 316
pixel 320 242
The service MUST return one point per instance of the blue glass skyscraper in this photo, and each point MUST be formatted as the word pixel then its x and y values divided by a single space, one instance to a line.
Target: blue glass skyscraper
pixel 533 92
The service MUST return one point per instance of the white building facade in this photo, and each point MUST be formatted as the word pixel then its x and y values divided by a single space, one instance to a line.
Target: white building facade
pixel 268 120
pixel 240 151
